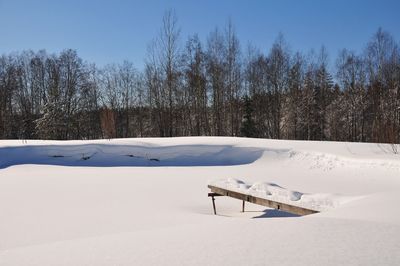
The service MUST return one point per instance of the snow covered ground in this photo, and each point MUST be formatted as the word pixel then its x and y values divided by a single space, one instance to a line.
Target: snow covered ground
pixel 144 202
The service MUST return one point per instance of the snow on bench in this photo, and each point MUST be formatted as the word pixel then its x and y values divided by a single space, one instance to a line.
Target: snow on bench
pixel 274 196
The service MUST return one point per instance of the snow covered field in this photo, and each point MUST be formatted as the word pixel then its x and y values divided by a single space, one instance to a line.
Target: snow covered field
pixel 144 202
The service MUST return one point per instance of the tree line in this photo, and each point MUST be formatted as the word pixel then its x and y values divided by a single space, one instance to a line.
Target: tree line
pixel 212 88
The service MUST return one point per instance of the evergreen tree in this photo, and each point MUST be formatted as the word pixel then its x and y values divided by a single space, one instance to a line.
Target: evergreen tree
pixel 248 128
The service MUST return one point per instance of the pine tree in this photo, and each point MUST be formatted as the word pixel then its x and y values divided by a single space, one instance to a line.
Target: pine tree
pixel 248 128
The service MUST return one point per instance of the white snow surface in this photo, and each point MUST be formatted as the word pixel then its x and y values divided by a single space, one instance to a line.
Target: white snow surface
pixel 144 202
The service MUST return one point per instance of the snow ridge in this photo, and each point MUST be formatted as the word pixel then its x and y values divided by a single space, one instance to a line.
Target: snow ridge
pixel 327 161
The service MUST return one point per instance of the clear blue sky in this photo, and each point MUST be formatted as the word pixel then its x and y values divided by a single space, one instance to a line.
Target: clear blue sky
pixel 111 31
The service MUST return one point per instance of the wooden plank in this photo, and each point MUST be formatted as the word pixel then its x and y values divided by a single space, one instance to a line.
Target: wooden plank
pixel 214 194
pixel 261 201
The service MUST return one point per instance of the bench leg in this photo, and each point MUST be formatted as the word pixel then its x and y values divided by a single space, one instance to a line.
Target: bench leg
pixel 213 202
pixel 243 206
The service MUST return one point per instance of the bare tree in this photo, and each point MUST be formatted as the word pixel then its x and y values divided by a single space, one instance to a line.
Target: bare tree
pixel 196 88
pixel 216 80
pixel 233 76
pixel 169 59
pixel 278 69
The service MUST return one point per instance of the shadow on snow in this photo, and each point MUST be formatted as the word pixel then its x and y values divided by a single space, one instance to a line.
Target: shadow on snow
pixel 110 155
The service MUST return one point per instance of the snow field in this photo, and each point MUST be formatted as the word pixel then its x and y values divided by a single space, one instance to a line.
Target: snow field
pixel 133 214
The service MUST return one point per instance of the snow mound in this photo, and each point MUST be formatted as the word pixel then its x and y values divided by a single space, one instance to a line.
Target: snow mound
pixel 231 183
pixel 327 161
pixel 274 192
pixel 270 189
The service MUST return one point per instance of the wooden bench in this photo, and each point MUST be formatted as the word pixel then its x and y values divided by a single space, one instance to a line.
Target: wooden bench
pixel 217 191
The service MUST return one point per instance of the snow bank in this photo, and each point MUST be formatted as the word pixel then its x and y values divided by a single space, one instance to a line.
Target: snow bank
pixel 328 161
pixel 271 191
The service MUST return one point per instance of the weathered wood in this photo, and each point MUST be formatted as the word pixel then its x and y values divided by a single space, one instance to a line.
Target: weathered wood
pixel 261 201
pixel 212 194
pixel 213 203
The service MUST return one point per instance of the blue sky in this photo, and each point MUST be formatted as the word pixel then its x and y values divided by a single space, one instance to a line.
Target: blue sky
pixel 111 31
